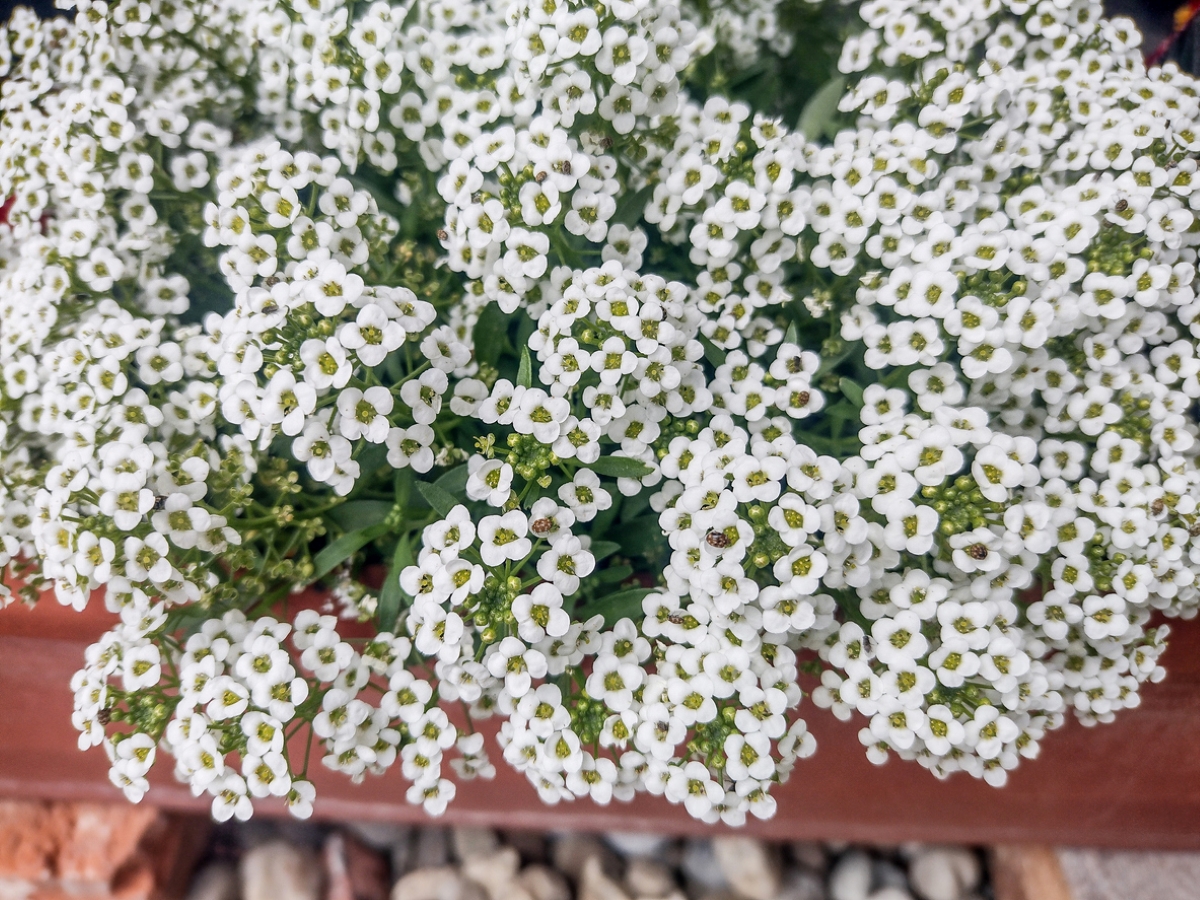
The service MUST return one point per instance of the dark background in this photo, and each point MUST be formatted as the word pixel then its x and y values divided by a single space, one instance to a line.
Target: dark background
pixel 43 7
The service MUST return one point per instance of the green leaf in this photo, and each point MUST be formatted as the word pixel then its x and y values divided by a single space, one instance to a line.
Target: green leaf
pixel 455 481
pixel 526 326
pixel 490 334
pixel 630 207
pixel 613 574
pixel 525 371
pixel 754 70
pixel 602 549
pixel 371 458
pixel 402 482
pixel 622 604
pixel 208 291
pixel 359 514
pixel 605 518
pixel 844 410
pixel 393 366
pixel 828 363
pixel 638 535
pixel 821 109
pixel 712 352
pixel 632 507
pixel 852 391
pixel 441 500
pixel 391 597
pixel 791 336
pixel 620 467
pixel 344 548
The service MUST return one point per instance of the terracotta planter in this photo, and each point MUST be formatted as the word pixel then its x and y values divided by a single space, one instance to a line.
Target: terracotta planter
pixel 1133 783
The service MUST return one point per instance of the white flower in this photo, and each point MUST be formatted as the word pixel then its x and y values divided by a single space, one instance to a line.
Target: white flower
pixel 584 495
pixel 693 785
pixel 489 480
pixel 504 538
pixel 364 414
pixel 517 665
pixel 613 681
pixel 230 798
pixel 434 796
pixel 424 395
pixel 411 446
pixel 141 667
pixel 372 335
pixel 300 798
pixel 267 776
pixel 540 613
pixel 566 562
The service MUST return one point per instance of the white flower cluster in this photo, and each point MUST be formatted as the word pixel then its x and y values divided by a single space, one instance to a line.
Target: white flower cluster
pixel 637 709
pixel 912 408
pixel 239 693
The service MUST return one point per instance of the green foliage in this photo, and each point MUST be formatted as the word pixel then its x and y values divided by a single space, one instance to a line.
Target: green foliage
pixel 391 596
pixel 438 497
pixel 620 467
pixel 345 547
pixel 819 117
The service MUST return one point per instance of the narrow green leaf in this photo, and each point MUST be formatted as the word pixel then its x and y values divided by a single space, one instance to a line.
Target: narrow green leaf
pixel 410 17
pixel 455 481
pixel 712 352
pixel 791 336
pixel 632 507
pixel 613 574
pixel 828 363
pixel 359 514
pixel 602 549
pixel 622 604
pixel 852 391
pixel 393 366
pixel 620 467
pixel 441 500
pixel 821 109
pixel 344 548
pixel 844 410
pixel 526 326
pixel 630 207
pixel 371 458
pixel 491 331
pixel 525 371
pixel 402 482
pixel 392 596
pixel 605 518
pixel 640 535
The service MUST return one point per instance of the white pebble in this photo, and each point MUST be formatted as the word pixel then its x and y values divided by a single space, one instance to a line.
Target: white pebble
pixel 700 866
pixel 943 873
pixel 851 877
pixel 750 865
pixel 636 843
pixel 279 871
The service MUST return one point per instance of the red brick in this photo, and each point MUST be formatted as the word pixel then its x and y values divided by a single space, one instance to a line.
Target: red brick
pixel 90 851
pixel 97 839
pixel 27 842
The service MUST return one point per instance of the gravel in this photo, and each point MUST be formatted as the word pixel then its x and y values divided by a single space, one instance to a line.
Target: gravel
pixel 385 862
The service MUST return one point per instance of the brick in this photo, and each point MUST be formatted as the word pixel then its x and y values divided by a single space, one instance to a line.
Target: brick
pixel 27 843
pixel 97 839
pixel 91 851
